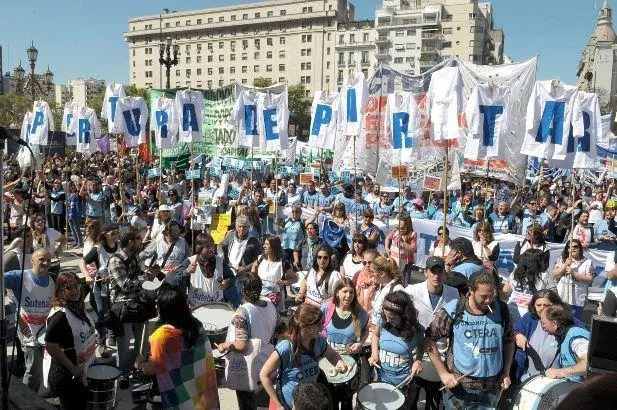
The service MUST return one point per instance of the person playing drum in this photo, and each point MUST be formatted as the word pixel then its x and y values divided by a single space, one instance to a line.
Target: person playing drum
pixel 345 326
pixel 397 335
pixel 71 342
pixel 428 297
pixel 481 340
pixel 296 357
pixel 208 275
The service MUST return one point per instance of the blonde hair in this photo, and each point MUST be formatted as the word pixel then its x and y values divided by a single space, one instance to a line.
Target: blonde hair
pixel 387 265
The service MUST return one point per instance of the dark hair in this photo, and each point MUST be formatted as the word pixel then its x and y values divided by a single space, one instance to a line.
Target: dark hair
pixel 174 310
pixel 581 213
pixel 276 250
pixel 368 213
pixel 62 281
pixel 549 294
pixel 128 234
pixel 482 277
pixel 408 328
pixel 462 245
pixel 595 393
pixel 329 268
pixel 406 220
pixel 561 315
pixel 530 267
pixel 308 396
pixel 201 241
pixel 485 226
pixel 537 232
pixel 251 285
pixel 357 236
pixel 441 228
pixel 566 251
pixel 314 225
pixel 305 315
pixel 105 229
pixel 355 306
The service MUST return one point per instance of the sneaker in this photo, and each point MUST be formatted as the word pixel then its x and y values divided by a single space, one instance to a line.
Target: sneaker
pixel 124 382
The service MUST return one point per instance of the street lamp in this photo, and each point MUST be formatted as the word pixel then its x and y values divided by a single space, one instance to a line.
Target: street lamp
pixel 166 59
pixel 32 82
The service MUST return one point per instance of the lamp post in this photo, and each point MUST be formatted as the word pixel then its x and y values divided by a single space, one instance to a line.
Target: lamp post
pixel 31 82
pixel 166 59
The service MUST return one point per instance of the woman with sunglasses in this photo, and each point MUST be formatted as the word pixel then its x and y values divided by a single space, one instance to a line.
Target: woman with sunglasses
pixel 296 357
pixel 484 244
pixel 319 283
pixel 352 263
pixel 441 246
pixel 574 273
pixel 163 216
pixel 70 340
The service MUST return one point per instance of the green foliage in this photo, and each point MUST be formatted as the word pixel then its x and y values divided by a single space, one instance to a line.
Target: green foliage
pixel 13 107
pixel 262 82
pixel 299 107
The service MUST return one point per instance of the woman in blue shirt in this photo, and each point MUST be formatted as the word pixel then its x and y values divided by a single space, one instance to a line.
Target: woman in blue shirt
pixel 296 357
pixel 345 327
pixel 396 340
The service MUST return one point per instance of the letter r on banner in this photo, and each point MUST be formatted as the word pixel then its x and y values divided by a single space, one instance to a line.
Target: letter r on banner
pixel 84 131
pixel 161 122
pixel 323 116
pixel 270 123
pixel 490 116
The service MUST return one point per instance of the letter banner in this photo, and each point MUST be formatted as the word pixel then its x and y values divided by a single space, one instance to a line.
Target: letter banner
pixel 426 231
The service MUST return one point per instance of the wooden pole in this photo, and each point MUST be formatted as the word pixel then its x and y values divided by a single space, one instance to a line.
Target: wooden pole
pixel 445 198
pixel 193 198
pixel 355 181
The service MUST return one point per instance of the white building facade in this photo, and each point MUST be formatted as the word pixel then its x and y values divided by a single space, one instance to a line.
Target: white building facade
pixel 80 90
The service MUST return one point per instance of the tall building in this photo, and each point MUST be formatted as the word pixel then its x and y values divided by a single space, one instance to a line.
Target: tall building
pixel 284 40
pixel 80 90
pixel 597 71
pixel 355 49
pixel 11 85
pixel 415 35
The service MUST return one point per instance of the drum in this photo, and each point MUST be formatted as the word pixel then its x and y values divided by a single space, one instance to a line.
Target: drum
pixel 151 287
pixel 216 317
pixel 540 392
pixel 379 396
pixel 102 382
pixel 429 373
pixel 341 384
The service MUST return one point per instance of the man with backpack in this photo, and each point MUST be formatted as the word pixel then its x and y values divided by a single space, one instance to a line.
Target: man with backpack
pixel 481 345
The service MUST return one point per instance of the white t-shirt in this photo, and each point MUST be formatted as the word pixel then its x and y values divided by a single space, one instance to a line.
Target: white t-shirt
pixel 131 119
pixel 571 290
pixel 316 295
pixel 380 297
pixel 164 122
pixel 326 115
pixel 189 104
pixel 351 267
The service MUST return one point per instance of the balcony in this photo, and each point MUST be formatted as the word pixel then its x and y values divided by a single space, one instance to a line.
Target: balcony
pixel 383 40
pixel 427 52
pixel 428 63
pixel 365 63
pixel 431 35
pixel 383 55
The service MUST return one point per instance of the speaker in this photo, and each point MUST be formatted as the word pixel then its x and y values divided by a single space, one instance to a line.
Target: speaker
pixel 602 355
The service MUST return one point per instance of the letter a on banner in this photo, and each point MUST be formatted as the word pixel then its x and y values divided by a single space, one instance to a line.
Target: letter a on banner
pixel 190 109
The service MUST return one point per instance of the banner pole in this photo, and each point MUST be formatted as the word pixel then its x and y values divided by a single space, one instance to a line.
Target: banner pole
pixel 193 197
pixel 160 173
pixel 251 167
pixel 445 198
pixel 355 179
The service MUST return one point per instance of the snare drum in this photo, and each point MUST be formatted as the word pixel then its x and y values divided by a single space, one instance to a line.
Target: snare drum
pixel 151 287
pixel 102 382
pixel 540 392
pixel 341 384
pixel 379 396
pixel 215 317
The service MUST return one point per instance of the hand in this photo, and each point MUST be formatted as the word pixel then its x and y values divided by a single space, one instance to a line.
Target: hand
pixel 300 298
pixel 89 280
pixel 191 268
pixel 554 373
pixel 76 371
pixel 152 274
pixel 416 368
pixel 341 367
pixel 521 341
pixel 373 360
pixel 448 380
pixel 505 381
pixel 281 283
pixel 355 348
pixel 223 347
pixel 224 284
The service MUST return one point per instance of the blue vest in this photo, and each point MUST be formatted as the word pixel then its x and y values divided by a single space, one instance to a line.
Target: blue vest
pixel 396 356
pixel 567 358
pixel 348 202
pixel 294 233
pixel 477 342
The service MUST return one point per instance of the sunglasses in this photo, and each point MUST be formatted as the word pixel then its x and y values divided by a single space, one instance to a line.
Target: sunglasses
pixel 367 263
pixel 322 257
pixel 358 241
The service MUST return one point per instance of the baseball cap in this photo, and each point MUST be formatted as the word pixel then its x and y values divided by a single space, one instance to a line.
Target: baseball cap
pixel 435 261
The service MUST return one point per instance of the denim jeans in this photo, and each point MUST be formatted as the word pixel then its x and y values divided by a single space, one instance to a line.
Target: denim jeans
pixel 74 225
pixel 127 356
pixel 33 377
pixel 102 308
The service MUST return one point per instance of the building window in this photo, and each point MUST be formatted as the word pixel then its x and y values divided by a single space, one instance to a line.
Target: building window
pixel 365 37
pixel 221 70
pixel 307 25
pixel 328 51
pixel 233 18
pixel 398 60
pixel 269 54
pixel 221 57
pixel 209 84
pixel 411 32
pixel 409 60
pixel 365 57
pixel 232 70
pixel 305 52
pixel 341 58
pixel 245 56
pixel 447 30
pixel 198 22
pixel 256 55
pixel 245 16
pixel 341 38
pixel 352 38
pixel 400 33
pixel 221 19
pixel 270 13
pixel 282 54
pixel 199 71
pixel 307 38
pixel 257 15
pixel 472 16
pixel 281 67
pixel 269 68
pixel 188 22
pixel 167 25
pixel 446 44
pixel 244 81
pixel 210 20
pixel 232 57
pixel 177 24
pixel 244 69
pixel 210 59
pixel 188 72
pixel 256 69
pixel 305 66
pixel 245 44
pixel 307 9
pixel 281 40
pixel 188 60
pixel 283 12
pixel 178 73
pixel 269 41
pixel 257 44
pixel 327 65
pixel 305 79
pixel 221 45
pixel 209 70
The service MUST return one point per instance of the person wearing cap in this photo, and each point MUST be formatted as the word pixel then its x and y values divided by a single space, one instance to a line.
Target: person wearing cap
pixel 428 297
pixel 417 209
pixel 162 218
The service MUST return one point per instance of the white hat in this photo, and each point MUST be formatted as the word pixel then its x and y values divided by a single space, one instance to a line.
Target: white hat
pixel 164 208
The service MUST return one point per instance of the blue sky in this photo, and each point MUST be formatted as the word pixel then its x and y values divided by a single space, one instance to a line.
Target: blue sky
pixel 82 38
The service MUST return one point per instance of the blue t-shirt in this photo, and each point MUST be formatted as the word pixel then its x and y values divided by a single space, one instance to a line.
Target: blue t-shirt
pixel 341 337
pixel 290 376
pixel 12 280
pixel 294 233
pixel 94 205
pixel 310 199
pixel 396 356
pixel 379 209
pixel 348 202
pixel 324 201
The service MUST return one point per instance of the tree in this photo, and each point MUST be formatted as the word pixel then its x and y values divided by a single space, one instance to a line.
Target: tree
pixel 262 82
pixel 299 105
pixel 13 107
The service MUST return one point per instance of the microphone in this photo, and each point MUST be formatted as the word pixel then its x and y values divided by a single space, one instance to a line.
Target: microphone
pixel 5 135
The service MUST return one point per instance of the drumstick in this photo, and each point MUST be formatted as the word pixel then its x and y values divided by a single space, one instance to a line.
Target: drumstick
pixel 458 379
pixel 404 382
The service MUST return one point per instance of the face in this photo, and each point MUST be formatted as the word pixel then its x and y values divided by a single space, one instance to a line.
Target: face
pixel 292 189
pixel 258 196
pixel 296 213
pixel 164 215
pixel 402 227
pixel 57 185
pixel 376 189
pixel 367 260
pixel 548 325
pixel 311 186
pixel 346 295
pixel 72 291
pixel 479 213
pixel 541 304
pixel 584 218
pixel 311 231
pixel 310 332
pixel 112 236
pixel 208 250
pixel 367 220
pixel 575 250
pixel 435 275
pixel 272 185
pixel 41 261
pixel 393 318
pixel 323 259
pixel 174 231
pixel 242 229
pixel 532 206
pixel 358 245
pixel 483 296
pixel 384 198
pixel 39 223
pixel 267 247
pixel 324 189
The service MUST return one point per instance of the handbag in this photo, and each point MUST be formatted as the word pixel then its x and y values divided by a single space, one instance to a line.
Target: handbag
pixel 242 369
